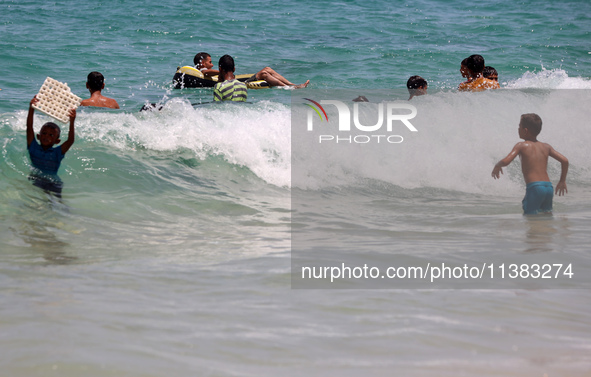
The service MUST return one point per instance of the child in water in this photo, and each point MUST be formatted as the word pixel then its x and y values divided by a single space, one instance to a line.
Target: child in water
pixel 464 71
pixel 95 83
pixel 203 63
pixel 229 88
pixel 417 86
pixel 45 157
pixel 534 162
pixel 477 82
pixel 490 73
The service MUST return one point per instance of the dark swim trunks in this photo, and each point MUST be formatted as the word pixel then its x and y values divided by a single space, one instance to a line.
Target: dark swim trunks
pixel 538 198
pixel 50 184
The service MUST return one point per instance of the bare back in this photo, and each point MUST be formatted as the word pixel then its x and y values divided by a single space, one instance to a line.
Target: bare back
pixel 98 100
pixel 534 160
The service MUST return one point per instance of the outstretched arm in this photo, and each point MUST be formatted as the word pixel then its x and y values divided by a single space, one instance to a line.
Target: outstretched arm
pixel 30 131
pixel 210 72
pixel 68 143
pixel 498 169
pixel 561 186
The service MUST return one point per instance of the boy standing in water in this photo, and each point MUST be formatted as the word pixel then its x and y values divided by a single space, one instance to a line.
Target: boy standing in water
pixel 534 162
pixel 46 158
pixel 95 83
pixel 228 88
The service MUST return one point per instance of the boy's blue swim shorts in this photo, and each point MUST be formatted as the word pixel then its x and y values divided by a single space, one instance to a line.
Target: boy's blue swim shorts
pixel 538 198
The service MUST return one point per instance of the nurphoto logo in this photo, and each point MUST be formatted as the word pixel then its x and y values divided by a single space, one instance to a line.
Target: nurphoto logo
pixel 392 113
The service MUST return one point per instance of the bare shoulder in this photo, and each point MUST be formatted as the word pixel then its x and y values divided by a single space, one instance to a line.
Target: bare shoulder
pixel 112 103
pixel 100 101
pixel 528 148
pixel 533 145
pixel 86 102
pixel 520 145
pixel 555 154
pixel 546 147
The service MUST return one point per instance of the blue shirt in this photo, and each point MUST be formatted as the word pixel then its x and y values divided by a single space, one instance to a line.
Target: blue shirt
pixel 47 161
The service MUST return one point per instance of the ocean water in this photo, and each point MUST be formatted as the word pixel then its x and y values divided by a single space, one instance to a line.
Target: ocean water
pixel 170 251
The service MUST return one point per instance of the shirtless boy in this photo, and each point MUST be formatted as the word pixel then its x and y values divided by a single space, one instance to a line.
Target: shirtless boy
pixel 203 63
pixel 95 83
pixel 534 162
pixel 417 86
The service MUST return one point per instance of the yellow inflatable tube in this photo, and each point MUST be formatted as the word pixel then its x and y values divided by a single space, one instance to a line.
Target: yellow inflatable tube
pixel 191 77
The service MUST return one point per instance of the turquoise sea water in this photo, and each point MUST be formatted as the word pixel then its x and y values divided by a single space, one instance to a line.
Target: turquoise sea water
pixel 170 251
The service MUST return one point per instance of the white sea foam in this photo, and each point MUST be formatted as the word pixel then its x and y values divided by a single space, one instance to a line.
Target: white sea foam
pixel 256 136
pixel 549 79
pixel 460 137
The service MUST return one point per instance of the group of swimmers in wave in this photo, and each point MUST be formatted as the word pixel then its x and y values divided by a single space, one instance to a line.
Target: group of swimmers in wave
pixel 479 77
pixel 46 157
pixel 532 153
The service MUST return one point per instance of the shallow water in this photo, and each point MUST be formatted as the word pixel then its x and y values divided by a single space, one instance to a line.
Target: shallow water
pixel 170 252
